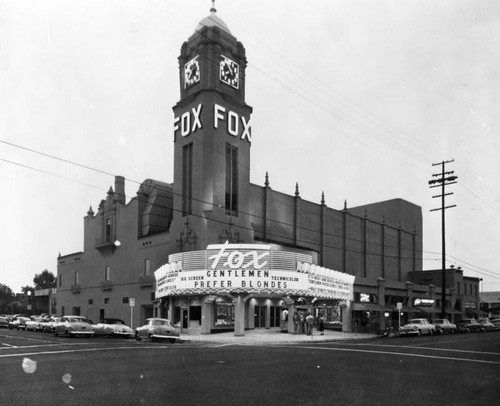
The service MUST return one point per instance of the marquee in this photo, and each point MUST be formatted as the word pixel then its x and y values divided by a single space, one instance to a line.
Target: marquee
pixel 251 268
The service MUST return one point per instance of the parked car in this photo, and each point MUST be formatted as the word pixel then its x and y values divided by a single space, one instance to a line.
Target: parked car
pixel 156 328
pixel 4 321
pixel 71 326
pixel 113 328
pixel 444 326
pixel 13 321
pixel 48 326
pixel 417 327
pixel 18 323
pixel 487 324
pixel 469 326
pixel 33 323
pixel 496 323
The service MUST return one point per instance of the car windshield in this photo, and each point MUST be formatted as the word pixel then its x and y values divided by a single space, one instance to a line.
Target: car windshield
pixel 439 321
pixel 116 322
pixel 416 321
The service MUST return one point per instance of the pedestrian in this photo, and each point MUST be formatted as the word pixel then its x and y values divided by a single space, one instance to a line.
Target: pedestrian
pixel 310 323
pixel 321 326
pixel 296 320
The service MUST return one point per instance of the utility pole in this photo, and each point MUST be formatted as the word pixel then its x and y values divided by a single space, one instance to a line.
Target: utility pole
pixel 443 179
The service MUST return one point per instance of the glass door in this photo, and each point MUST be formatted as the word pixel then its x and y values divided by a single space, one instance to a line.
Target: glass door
pixel 260 316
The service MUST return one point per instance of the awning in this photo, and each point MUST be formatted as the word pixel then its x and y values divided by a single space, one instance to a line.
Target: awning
pixel 432 310
pixel 475 312
pixel 405 309
pixel 370 307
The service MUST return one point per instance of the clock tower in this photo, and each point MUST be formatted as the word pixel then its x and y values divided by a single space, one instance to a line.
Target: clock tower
pixel 212 140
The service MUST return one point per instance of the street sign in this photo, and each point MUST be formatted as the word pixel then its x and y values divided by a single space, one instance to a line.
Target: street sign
pixel 131 302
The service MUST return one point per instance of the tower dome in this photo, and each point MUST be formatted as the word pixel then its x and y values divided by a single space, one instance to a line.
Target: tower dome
pixel 212 21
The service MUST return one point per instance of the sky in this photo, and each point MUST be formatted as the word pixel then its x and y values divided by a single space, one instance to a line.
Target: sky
pixel 354 98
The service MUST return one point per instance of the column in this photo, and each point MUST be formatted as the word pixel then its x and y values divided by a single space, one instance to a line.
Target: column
pixel 207 313
pixel 381 301
pixel 239 315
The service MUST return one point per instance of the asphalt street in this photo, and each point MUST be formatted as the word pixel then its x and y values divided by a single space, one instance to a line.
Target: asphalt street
pixel 40 369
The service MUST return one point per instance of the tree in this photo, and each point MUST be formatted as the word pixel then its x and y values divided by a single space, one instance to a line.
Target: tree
pixel 6 297
pixel 44 280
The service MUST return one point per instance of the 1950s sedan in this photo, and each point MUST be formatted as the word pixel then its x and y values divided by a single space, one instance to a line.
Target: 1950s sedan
pixel 156 328
pixel 72 326
pixel 417 327
pixel 113 328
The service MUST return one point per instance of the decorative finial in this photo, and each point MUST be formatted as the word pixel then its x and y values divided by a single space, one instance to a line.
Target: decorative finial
pixel 297 194
pixel 323 198
pixel 90 212
pixel 345 205
pixel 213 9
pixel 266 182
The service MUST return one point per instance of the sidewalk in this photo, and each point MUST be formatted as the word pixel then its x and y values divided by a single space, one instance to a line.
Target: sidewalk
pixel 274 337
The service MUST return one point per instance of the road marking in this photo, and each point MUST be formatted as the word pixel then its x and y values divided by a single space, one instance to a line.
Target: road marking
pixel 401 354
pixel 27 354
pixel 8 345
pixel 426 348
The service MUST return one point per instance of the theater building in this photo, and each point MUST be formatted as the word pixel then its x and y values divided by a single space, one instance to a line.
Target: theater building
pixel 212 251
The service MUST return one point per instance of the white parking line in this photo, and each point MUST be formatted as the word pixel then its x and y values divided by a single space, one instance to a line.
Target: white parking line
pixel 400 354
pixel 76 350
pixel 8 345
pixel 427 348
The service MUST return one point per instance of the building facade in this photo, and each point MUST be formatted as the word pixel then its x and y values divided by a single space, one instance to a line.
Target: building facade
pixel 174 229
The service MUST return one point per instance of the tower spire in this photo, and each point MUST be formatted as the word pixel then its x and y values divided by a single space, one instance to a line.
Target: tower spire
pixel 213 9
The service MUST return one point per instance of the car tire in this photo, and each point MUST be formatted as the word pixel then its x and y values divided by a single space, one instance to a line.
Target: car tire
pixel 138 337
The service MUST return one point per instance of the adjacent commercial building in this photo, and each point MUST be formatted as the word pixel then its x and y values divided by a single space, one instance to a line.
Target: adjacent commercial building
pixel 229 254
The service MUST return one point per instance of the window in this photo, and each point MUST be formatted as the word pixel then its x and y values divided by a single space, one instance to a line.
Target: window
pixel 125 300
pixel 77 278
pixel 107 273
pixel 187 179
pixel 108 230
pixel 76 311
pixel 195 315
pixel 91 301
pixel 231 202
pixel 60 280
pixel 224 314
pixel 147 267
pixel 106 300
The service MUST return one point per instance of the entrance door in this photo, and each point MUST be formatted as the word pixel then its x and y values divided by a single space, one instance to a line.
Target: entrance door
pixel 185 319
pixel 260 316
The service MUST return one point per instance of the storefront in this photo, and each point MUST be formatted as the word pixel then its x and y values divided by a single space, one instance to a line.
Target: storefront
pixel 237 287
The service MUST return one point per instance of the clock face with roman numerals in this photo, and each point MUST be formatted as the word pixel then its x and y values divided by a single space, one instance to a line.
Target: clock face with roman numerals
pixel 191 72
pixel 229 72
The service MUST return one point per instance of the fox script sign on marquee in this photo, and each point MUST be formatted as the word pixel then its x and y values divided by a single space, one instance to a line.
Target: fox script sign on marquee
pixel 251 268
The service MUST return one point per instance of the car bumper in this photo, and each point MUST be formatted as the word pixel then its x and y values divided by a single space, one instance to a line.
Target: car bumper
pixel 408 332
